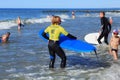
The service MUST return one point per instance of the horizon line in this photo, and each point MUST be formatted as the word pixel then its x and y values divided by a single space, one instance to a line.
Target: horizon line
pixel 59 8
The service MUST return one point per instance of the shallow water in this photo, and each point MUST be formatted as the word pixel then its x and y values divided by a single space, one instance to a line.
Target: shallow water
pixel 26 56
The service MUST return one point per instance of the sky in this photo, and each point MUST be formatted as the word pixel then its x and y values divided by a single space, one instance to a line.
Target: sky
pixel 60 4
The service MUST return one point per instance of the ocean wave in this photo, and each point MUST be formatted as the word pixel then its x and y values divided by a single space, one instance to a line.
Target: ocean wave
pixel 113 14
pixel 7 24
pixel 11 70
pixel 108 14
pixel 111 73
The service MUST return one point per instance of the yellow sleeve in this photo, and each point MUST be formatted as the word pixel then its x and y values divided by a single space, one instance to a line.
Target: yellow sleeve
pixel 64 31
pixel 46 30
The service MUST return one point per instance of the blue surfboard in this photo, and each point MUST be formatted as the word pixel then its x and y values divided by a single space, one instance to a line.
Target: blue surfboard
pixel 71 44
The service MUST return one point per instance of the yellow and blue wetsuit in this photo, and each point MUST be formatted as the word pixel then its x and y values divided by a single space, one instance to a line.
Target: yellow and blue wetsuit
pixel 54 32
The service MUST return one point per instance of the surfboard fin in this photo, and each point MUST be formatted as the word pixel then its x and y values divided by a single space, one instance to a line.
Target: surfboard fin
pixel 82 54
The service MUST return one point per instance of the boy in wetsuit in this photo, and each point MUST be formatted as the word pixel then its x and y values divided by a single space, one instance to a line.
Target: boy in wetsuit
pixel 114 43
pixel 105 28
pixel 54 31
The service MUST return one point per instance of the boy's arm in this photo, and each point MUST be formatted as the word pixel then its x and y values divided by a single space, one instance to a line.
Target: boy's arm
pixel 45 36
pixel 102 24
pixel 67 34
pixel 109 27
pixel 110 46
pixel 119 40
pixel 71 36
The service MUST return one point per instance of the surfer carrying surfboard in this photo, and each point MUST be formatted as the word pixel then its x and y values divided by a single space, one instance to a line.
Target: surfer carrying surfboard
pixel 54 31
pixel 105 28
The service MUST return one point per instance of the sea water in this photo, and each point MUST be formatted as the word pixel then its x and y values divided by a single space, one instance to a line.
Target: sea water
pixel 26 56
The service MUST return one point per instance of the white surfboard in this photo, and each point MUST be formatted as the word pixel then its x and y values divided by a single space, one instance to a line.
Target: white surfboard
pixel 92 38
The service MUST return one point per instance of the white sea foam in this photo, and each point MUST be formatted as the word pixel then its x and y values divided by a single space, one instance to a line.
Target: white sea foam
pixel 11 23
pixel 30 67
pixel 64 16
pixel 108 14
pixel 41 20
pixel 88 15
pixel 11 70
pixel 7 24
pixel 113 14
pixel 112 73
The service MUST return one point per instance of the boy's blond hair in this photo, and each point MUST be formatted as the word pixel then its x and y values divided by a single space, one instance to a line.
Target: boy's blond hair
pixel 56 20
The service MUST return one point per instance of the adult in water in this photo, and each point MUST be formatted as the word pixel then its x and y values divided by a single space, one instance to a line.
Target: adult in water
pixel 54 31
pixel 73 15
pixel 19 23
pixel 105 28
pixel 5 37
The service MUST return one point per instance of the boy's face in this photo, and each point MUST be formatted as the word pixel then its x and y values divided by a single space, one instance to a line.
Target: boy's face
pixel 115 34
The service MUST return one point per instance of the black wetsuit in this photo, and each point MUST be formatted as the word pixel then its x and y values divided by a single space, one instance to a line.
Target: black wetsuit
pixel 106 28
pixel 54 48
pixel 20 24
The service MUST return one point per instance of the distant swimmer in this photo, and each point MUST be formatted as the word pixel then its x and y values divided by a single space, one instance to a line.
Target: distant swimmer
pixel 114 43
pixel 19 23
pixel 5 37
pixel 105 28
pixel 73 15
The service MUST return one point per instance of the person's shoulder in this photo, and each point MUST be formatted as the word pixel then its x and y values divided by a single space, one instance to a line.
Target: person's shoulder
pixel 60 27
pixel 104 18
pixel 49 26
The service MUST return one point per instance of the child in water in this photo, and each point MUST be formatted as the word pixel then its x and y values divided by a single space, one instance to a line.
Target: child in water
pixel 114 43
pixel 54 31
pixel 5 37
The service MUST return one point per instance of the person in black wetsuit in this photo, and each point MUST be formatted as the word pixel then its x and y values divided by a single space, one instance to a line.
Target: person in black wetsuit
pixel 54 31
pixel 105 28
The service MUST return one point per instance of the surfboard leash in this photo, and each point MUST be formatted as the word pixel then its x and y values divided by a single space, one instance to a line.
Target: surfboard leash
pixel 96 55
